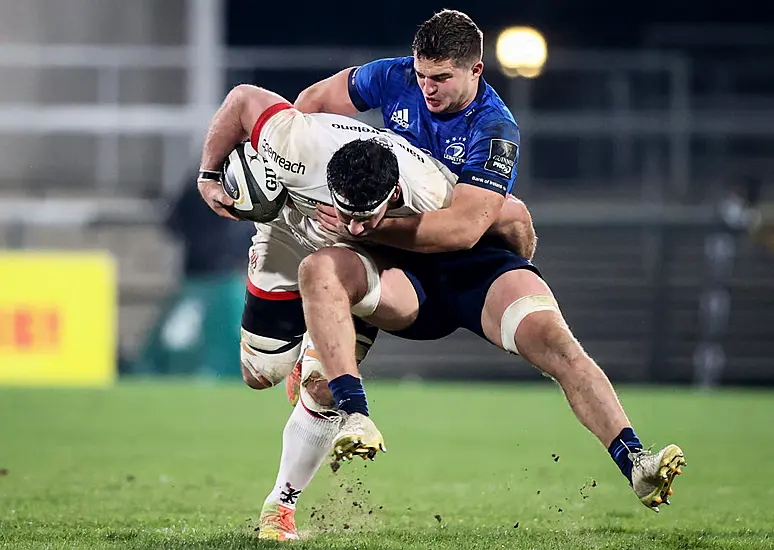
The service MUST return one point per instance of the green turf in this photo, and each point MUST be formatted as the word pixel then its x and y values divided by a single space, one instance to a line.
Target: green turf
pixel 182 465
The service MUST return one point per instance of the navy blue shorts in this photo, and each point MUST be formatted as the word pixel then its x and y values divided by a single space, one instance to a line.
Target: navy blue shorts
pixel 452 287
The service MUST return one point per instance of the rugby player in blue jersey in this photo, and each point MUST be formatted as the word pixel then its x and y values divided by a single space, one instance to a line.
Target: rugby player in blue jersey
pixel 452 275
pixel 449 277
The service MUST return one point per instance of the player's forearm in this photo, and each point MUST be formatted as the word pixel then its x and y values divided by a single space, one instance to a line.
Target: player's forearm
pixel 430 232
pixel 226 130
pixel 519 235
pixel 514 225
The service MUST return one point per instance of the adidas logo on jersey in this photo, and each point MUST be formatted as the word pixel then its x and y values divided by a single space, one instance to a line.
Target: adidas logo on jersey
pixel 401 118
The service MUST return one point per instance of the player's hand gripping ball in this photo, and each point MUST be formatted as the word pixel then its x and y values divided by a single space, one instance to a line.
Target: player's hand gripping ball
pixel 258 195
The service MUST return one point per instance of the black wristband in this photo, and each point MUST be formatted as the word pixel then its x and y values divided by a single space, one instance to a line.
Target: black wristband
pixel 210 175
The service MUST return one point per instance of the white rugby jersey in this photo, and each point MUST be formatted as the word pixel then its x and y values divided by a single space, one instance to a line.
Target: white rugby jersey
pixel 298 146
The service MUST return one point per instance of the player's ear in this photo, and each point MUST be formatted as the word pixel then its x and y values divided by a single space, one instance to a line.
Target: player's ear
pixel 478 68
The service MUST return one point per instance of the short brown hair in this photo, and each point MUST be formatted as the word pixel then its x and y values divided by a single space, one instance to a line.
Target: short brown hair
pixel 449 34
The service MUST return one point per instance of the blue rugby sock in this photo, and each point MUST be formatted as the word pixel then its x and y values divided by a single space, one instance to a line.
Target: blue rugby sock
pixel 618 450
pixel 348 394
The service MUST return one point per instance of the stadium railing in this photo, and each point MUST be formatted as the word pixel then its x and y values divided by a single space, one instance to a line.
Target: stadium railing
pixel 636 138
pixel 661 136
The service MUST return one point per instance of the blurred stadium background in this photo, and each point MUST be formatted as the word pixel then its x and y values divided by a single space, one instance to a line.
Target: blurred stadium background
pixel 647 162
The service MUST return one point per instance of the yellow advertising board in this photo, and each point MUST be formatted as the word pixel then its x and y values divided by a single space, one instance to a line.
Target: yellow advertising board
pixel 57 318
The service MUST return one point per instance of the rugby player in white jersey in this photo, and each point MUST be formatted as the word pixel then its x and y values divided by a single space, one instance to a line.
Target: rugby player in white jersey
pixel 434 98
pixel 299 148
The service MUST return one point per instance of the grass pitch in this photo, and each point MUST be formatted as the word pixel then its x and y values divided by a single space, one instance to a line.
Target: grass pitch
pixel 180 465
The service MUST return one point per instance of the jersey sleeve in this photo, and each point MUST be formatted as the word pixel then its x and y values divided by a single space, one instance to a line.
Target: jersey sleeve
pixel 368 83
pixel 492 157
pixel 255 134
pixel 282 137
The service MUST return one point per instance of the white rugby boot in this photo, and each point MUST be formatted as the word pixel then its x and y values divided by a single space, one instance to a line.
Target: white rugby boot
pixel 358 436
pixel 652 474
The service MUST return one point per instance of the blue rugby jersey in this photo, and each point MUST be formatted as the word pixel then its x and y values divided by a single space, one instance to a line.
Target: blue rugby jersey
pixel 480 143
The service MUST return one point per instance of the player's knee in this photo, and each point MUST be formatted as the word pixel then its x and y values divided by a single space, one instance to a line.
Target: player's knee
pixel 267 361
pixel 554 349
pixel 534 327
pixel 327 262
pixel 253 381
pixel 525 322
pixel 555 338
pixel 322 263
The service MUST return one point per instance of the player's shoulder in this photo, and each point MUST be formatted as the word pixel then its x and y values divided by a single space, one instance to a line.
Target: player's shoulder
pixel 279 114
pixel 397 68
pixel 492 115
pixel 400 71
pixel 400 65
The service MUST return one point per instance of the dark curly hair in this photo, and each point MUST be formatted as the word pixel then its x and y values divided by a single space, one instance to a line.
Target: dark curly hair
pixel 363 172
pixel 449 34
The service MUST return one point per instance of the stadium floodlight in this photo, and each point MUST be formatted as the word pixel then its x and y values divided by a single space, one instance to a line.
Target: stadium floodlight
pixel 521 51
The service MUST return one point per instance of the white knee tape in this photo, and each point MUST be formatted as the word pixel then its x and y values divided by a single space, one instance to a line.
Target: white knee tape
pixel 310 360
pixel 516 312
pixel 373 295
pixel 311 369
pixel 268 358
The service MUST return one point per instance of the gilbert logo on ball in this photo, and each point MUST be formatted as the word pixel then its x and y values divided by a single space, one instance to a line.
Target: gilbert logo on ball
pixel 231 189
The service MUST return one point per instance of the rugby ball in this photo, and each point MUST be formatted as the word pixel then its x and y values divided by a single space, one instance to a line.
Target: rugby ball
pixel 258 194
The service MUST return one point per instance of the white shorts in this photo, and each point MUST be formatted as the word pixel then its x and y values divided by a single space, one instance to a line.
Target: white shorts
pixel 272 277
pixel 274 259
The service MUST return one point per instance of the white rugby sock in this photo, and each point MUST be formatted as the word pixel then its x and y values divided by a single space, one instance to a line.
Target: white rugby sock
pixel 306 442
